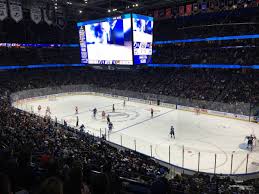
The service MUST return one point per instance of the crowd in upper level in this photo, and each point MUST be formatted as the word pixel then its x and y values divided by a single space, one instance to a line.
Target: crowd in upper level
pixel 229 86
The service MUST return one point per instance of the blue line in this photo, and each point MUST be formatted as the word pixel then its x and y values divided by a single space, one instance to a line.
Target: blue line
pixel 143 121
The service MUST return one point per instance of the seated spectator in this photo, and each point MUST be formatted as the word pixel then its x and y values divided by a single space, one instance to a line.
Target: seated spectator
pixel 5 184
pixel 52 185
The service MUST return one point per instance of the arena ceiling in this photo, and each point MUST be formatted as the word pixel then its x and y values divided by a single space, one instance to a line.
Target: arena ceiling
pixel 91 9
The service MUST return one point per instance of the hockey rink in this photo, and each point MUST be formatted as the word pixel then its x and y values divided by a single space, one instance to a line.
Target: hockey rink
pixel 134 128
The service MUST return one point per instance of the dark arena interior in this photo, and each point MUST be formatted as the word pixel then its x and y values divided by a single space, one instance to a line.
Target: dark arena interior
pixel 129 97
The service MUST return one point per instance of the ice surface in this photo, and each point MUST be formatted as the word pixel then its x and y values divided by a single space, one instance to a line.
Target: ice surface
pixel 202 133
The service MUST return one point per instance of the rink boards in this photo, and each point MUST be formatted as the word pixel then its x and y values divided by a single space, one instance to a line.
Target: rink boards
pixel 151 102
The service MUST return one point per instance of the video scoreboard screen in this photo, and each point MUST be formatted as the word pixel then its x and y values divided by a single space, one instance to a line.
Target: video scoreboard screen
pixel 122 40
pixel 142 38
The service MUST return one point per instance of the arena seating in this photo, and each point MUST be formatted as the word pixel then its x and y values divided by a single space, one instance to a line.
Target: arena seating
pixel 223 23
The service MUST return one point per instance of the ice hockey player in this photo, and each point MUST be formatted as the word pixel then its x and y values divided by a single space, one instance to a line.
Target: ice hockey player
pixel 39 108
pixel 56 121
pixel 110 126
pixel 250 142
pixel 103 114
pixel 77 121
pixel 48 110
pixel 94 112
pixel 152 112
pixel 113 108
pixel 76 109
pixel 172 132
pixel 82 127
pixel 108 119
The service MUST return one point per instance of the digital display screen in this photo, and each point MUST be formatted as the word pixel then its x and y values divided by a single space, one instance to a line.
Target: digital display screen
pixel 106 41
pixel 142 38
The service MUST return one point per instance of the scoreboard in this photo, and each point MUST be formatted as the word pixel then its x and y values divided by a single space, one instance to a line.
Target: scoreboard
pixel 121 40
pixel 142 38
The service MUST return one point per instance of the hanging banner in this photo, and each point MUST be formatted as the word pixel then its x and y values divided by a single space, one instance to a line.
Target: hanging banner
pixel 175 12
pixel 3 10
pixel 195 8
pixel 161 13
pixel 204 6
pixel 188 9
pixel 181 11
pixel 36 15
pixel 168 12
pixel 156 14
pixel 211 5
pixel 60 17
pixel 48 14
pixel 16 10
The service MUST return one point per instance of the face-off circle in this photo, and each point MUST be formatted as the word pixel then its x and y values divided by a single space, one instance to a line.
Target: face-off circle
pixel 120 115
